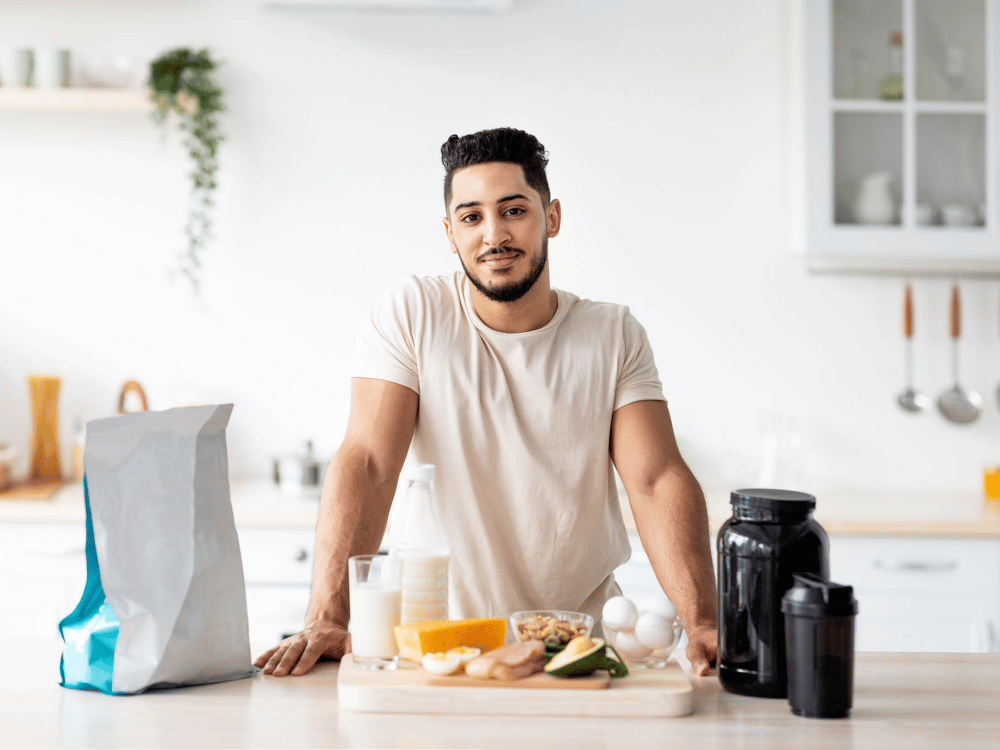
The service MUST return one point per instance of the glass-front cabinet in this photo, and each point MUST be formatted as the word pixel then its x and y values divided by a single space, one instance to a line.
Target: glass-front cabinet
pixel 902 174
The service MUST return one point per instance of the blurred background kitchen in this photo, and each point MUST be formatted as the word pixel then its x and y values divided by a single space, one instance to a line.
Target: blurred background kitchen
pixel 678 145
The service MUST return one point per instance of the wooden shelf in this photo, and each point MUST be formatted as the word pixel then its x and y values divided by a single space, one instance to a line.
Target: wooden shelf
pixel 395 5
pixel 943 268
pixel 76 100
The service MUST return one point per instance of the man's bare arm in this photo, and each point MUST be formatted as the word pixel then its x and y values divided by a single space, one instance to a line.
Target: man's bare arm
pixel 671 518
pixel 353 512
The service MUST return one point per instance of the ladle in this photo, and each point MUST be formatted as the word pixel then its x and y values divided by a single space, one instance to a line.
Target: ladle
pixel 957 404
pixel 910 399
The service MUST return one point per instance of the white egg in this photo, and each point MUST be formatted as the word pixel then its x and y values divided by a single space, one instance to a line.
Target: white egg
pixel 465 654
pixel 660 605
pixel 441 663
pixel 619 613
pixel 629 645
pixel 653 631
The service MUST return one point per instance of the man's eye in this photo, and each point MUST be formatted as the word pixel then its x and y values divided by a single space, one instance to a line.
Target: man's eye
pixel 470 217
pixel 515 211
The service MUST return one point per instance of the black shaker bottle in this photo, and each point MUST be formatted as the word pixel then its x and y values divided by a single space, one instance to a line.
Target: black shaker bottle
pixel 770 536
pixel 819 639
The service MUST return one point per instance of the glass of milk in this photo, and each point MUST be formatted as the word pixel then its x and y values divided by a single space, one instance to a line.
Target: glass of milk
pixel 375 583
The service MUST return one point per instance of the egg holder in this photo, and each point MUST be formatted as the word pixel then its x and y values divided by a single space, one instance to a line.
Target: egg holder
pixel 655 659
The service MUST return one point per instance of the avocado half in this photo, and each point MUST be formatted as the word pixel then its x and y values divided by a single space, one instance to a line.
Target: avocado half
pixel 583 656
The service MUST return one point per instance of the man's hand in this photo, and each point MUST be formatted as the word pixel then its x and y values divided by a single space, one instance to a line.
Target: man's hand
pixel 702 648
pixel 297 654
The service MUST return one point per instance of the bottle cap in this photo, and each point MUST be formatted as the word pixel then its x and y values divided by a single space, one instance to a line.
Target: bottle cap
pixel 419 472
pixel 776 501
pixel 813 596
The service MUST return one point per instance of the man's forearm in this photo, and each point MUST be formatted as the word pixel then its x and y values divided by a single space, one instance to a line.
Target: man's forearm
pixel 353 511
pixel 672 521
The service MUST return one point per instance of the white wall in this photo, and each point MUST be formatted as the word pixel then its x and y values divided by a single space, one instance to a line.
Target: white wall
pixel 666 124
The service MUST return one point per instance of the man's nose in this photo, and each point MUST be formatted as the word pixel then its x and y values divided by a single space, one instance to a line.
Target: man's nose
pixel 496 233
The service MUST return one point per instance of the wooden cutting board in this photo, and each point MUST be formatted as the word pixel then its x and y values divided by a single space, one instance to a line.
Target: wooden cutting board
pixel 538 681
pixel 661 692
pixel 34 489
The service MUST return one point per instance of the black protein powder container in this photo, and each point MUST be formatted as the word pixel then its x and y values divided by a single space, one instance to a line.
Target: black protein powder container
pixel 770 536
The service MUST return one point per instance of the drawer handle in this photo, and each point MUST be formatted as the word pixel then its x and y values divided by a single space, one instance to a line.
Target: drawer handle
pixel 302 555
pixel 917 566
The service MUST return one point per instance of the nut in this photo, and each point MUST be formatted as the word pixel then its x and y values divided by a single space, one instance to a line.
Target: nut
pixel 549 630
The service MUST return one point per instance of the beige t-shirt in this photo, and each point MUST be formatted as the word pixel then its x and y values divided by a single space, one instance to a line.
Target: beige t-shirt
pixel 518 427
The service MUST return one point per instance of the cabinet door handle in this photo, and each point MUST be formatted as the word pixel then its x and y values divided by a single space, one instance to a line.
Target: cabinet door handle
pixel 916 566
pixel 302 555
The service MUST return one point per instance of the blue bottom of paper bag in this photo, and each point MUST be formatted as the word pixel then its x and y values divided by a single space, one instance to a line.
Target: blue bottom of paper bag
pixel 90 631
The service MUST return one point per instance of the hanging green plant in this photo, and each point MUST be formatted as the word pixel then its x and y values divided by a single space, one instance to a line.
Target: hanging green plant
pixel 181 81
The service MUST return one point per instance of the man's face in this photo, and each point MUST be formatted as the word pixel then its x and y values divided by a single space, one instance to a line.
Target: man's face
pixel 499 228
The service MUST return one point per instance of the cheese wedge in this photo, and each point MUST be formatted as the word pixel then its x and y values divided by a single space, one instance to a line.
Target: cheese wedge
pixel 418 638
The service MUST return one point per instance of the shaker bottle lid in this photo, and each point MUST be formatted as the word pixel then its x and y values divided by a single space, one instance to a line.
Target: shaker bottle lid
pixel 774 500
pixel 419 472
pixel 813 596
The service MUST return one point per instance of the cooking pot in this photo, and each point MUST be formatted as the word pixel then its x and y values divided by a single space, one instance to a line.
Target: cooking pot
pixel 300 474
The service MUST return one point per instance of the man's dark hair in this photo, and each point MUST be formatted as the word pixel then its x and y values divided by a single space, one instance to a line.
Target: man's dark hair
pixel 499 144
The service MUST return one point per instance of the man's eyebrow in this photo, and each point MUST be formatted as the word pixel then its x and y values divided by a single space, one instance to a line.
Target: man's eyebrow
pixel 470 204
pixel 513 197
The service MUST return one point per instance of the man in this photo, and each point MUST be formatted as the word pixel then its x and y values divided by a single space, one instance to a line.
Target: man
pixel 522 396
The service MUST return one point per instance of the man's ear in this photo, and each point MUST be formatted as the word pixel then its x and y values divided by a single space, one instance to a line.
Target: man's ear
pixel 447 231
pixel 554 217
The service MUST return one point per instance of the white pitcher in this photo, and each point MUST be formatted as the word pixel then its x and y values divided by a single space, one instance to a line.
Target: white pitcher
pixel 874 203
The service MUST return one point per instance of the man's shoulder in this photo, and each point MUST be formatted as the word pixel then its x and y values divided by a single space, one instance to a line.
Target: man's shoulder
pixel 595 311
pixel 424 291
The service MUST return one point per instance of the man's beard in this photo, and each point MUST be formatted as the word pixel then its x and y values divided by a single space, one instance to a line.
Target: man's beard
pixel 514 290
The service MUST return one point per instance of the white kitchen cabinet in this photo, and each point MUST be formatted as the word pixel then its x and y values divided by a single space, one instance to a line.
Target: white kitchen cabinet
pixel 277 566
pixel 42 577
pixel 44 570
pixel 921 594
pixel 938 143
pixel 914 594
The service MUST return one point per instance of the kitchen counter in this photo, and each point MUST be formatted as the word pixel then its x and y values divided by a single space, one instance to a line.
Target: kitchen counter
pixel 943 514
pixel 255 504
pixel 901 700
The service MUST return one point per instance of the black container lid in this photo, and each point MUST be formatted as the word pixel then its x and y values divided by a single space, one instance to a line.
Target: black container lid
pixel 813 596
pixel 774 501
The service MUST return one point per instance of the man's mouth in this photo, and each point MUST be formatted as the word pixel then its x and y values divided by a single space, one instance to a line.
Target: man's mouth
pixel 500 257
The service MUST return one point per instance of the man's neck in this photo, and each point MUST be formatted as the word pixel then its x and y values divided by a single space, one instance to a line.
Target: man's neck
pixel 533 311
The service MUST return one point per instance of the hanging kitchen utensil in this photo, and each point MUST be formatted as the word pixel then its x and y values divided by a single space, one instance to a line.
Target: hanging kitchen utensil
pixel 957 404
pixel 910 399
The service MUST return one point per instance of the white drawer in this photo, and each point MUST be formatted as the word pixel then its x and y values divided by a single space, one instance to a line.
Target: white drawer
pixel 275 612
pixel 916 564
pixel 277 556
pixel 926 622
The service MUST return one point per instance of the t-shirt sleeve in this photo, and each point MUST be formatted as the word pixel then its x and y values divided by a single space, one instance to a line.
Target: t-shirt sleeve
pixel 638 379
pixel 384 348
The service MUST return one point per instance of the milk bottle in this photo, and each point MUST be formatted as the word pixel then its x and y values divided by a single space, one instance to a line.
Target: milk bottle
pixel 418 538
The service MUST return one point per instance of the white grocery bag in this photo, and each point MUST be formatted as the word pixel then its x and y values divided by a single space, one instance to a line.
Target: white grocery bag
pixel 165 601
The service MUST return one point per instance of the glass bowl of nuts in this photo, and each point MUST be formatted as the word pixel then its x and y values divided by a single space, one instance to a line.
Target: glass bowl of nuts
pixel 553 627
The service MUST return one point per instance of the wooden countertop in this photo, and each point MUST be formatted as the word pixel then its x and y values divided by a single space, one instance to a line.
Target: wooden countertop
pixel 949 514
pixel 914 701
pixel 946 514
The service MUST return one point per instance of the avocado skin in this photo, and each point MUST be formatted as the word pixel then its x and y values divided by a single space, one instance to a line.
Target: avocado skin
pixel 587 663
